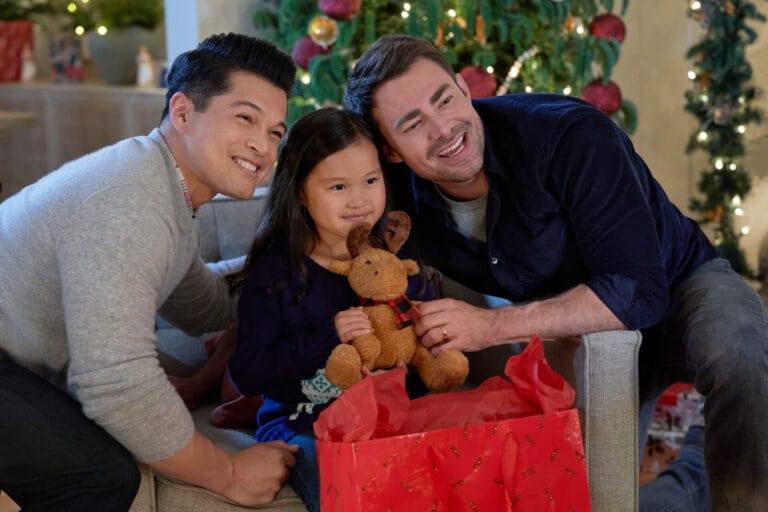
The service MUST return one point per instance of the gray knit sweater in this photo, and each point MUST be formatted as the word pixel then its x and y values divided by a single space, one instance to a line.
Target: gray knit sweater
pixel 88 255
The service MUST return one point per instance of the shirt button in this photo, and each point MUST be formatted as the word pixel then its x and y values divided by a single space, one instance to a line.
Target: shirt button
pixel 494 260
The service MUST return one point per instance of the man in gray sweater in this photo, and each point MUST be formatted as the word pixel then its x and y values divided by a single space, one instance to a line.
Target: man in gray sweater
pixel 91 252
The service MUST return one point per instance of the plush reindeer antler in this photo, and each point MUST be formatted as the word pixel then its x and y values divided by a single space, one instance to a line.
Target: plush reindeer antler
pixel 398 229
pixel 357 239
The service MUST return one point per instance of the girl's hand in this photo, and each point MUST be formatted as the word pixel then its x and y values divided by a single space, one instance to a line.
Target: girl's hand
pixel 352 323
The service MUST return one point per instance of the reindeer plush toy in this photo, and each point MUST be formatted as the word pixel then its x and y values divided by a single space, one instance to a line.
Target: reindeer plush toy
pixel 380 278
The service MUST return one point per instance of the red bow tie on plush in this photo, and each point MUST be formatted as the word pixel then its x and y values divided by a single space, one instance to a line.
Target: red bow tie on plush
pixel 405 310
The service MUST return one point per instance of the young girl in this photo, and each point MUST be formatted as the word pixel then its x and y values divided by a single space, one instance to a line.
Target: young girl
pixel 293 311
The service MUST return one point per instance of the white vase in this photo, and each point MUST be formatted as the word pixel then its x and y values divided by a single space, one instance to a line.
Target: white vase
pixel 114 54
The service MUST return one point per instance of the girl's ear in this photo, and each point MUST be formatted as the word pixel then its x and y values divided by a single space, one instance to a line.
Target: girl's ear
pixel 391 155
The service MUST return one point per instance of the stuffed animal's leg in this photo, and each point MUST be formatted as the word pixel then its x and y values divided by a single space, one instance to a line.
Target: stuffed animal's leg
pixel 344 366
pixel 446 371
pixel 369 347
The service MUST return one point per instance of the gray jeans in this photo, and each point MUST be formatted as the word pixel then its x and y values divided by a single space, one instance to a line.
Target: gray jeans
pixel 715 335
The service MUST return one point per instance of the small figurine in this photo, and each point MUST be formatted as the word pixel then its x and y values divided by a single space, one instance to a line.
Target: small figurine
pixel 28 66
pixel 145 68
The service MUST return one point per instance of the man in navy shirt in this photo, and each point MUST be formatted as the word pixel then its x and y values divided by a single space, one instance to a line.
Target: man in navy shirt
pixel 542 200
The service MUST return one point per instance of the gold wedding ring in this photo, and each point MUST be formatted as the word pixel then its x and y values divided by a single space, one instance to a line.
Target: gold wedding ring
pixel 445 333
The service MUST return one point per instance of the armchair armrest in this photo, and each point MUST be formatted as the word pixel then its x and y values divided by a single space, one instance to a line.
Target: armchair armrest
pixel 603 369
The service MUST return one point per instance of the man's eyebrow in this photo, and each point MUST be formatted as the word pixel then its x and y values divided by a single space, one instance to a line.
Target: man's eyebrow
pixel 439 92
pixel 415 113
pixel 254 106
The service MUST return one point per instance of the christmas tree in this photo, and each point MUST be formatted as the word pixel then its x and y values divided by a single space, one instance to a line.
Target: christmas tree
pixel 720 98
pixel 560 46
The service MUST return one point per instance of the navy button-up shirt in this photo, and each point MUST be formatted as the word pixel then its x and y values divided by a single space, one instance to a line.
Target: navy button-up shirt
pixel 570 202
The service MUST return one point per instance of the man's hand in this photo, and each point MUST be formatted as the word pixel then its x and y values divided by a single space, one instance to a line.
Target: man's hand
pixel 259 472
pixel 250 477
pixel 447 324
pixel 352 323
pixel 453 324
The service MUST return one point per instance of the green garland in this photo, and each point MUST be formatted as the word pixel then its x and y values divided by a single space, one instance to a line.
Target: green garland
pixel 721 100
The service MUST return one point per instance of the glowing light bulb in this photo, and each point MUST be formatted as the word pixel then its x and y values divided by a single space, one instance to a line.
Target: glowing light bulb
pixel 489 69
pixel 451 13
pixel 738 212
pixel 718 164
pixel 528 88
pixel 101 30
pixel 568 90
pixel 407 6
pixel 732 167
pixel 71 7
pixel 704 98
pixel 741 128
pixel 404 14
pixel 736 201
pixel 696 5
pixel 691 75
pixel 305 79
pixel 702 136
pixel 745 230
pixel 79 30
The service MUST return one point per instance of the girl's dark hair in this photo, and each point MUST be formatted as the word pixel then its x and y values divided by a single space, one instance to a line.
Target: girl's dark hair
pixel 310 140
pixel 204 72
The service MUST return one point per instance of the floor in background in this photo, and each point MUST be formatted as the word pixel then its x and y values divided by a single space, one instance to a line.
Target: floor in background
pixel 674 412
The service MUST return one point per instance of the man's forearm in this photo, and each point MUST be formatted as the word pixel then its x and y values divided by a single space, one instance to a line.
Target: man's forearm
pixel 201 463
pixel 571 313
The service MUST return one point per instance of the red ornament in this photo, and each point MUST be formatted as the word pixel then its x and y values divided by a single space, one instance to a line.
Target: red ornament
pixel 304 49
pixel 339 9
pixel 606 97
pixel 480 82
pixel 607 26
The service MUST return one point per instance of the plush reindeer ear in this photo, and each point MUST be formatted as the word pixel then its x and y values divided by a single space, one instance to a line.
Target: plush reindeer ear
pixel 357 239
pixel 398 229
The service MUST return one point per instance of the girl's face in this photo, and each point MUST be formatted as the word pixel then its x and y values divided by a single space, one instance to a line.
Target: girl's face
pixel 344 189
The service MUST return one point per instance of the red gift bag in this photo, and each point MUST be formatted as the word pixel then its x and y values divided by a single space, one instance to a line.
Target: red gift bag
pixel 509 445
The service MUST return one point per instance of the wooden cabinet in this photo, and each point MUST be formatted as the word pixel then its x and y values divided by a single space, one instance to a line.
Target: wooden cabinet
pixel 69 121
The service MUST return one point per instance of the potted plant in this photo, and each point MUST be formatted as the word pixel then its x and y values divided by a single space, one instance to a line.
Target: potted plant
pixel 16 29
pixel 117 30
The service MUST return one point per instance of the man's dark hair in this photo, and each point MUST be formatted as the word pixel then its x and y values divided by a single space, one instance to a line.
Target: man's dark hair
pixel 204 72
pixel 389 57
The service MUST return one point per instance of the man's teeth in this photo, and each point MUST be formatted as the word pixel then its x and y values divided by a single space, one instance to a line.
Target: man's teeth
pixel 453 148
pixel 248 165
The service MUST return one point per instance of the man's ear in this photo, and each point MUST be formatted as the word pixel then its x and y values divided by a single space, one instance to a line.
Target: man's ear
pixel 391 155
pixel 462 85
pixel 179 107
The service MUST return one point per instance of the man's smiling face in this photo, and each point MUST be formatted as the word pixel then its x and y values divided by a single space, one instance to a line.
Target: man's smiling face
pixel 427 118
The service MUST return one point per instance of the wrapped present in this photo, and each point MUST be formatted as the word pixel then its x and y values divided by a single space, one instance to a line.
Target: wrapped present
pixel 507 445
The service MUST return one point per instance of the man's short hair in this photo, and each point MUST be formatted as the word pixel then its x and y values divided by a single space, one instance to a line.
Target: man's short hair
pixel 388 58
pixel 204 72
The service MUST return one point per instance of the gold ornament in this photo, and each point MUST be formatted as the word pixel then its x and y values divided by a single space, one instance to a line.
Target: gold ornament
pixel 323 31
